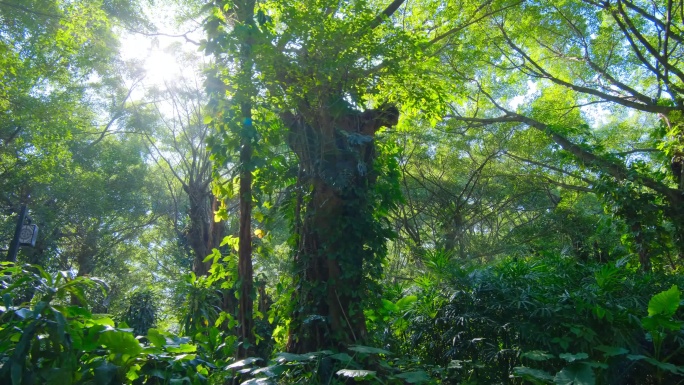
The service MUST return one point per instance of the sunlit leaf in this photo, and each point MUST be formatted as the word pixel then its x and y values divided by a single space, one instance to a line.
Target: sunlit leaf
pixel 358 374
pixel 537 355
pixel 368 350
pixel 665 303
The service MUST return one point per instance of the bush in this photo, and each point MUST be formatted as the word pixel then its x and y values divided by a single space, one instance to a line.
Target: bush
pixel 46 341
pixel 546 315
pixel 141 314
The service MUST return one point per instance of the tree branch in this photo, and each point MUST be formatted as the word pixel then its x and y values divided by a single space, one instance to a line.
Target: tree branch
pixel 586 90
pixel 617 171
pixel 472 21
pixel 31 11
pixel 387 13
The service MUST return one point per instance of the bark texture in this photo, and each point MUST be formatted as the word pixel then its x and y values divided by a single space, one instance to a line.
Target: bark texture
pixel 336 162
pixel 203 234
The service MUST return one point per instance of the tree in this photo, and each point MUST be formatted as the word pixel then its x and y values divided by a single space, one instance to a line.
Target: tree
pixel 62 150
pixel 312 137
pixel 471 195
pixel 178 146
pixel 320 68
pixel 591 62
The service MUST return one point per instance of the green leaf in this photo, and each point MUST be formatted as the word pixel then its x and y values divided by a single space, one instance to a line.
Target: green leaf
pixel 573 357
pixel 537 355
pixel 358 374
pixel 368 350
pixel 255 381
pixel 343 357
pixel 664 365
pixel 288 357
pixel 658 321
pixel 575 375
pixel 158 373
pixel 156 338
pixel 105 321
pixel 185 357
pixel 417 377
pixel 636 357
pixel 388 305
pixel 74 311
pixel 119 342
pixel 611 351
pixel 132 373
pixel 242 363
pixel 665 303
pixel 406 302
pixel 594 364
pixel 532 374
pixel 105 374
pixel 182 348
pixel 271 371
pixel 61 324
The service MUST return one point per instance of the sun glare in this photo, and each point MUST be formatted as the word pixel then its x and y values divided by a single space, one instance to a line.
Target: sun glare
pixel 160 66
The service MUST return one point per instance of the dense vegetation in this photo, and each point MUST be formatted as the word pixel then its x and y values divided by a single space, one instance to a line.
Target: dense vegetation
pixel 456 192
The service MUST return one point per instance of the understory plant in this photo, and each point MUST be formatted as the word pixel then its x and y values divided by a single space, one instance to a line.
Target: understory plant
pixel 46 340
pixel 545 320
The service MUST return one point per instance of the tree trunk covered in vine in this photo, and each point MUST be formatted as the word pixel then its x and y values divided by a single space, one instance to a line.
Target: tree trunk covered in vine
pixel 338 235
pixel 243 96
pixel 203 234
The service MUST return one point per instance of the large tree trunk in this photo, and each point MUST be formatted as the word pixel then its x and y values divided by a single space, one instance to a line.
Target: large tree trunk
pixel 244 94
pixel 336 157
pixel 85 257
pixel 245 270
pixel 203 234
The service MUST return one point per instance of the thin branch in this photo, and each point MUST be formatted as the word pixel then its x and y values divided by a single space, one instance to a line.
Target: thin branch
pixel 650 18
pixel 183 35
pixel 472 21
pixel 635 151
pixel 116 115
pixel 31 11
pixel 586 90
pixel 544 165
pixel 616 170
pixel 644 42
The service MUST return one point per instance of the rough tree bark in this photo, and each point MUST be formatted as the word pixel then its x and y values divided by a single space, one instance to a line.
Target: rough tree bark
pixel 244 93
pixel 336 158
pixel 203 234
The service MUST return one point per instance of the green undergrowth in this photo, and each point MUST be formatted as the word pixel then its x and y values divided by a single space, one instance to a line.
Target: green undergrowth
pixel 550 321
pixel 48 341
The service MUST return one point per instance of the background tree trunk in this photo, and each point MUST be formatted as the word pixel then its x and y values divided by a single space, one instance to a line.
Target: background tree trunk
pixel 203 234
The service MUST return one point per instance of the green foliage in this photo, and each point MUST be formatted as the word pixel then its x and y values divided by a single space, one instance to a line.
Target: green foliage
pixel 363 363
pixel 62 111
pixel 665 303
pixel 45 341
pixel 546 320
pixel 535 162
pixel 208 310
pixel 142 311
